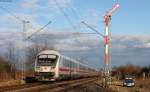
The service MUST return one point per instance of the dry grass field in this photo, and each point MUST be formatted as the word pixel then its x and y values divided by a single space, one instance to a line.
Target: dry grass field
pixel 140 86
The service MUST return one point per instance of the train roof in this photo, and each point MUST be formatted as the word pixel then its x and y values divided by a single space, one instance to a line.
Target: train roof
pixel 49 52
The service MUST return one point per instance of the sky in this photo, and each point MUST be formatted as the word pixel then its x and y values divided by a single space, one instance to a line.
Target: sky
pixel 129 27
pixel 131 18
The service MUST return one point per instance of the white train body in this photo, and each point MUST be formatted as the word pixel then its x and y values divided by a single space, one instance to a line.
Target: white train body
pixel 51 65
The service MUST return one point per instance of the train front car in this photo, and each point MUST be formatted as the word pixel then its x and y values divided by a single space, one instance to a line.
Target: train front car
pixel 46 65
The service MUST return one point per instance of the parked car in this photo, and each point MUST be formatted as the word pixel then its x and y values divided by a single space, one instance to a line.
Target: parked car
pixel 128 82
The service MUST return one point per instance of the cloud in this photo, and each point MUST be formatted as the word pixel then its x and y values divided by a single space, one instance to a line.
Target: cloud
pixel 42 8
pixel 69 47
pixel 61 3
pixel 62 40
pixel 130 41
pixel 124 49
pixel 130 49
pixel 29 4
pixel 144 45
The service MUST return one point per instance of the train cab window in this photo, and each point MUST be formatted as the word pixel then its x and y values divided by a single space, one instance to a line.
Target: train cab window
pixel 47 60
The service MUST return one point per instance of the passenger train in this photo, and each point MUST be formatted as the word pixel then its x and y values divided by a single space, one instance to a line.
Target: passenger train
pixel 50 65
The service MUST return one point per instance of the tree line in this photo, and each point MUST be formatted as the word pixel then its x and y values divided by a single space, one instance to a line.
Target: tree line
pixel 131 70
pixel 11 64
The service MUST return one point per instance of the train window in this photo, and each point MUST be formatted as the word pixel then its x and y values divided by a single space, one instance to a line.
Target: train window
pixel 68 63
pixel 45 60
pixel 83 67
pixel 42 56
pixel 52 56
pixel 73 65
pixel 76 65
pixel 65 62
pixel 80 67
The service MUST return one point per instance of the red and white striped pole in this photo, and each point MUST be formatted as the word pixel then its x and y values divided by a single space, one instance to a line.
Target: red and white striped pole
pixel 107 19
pixel 107 40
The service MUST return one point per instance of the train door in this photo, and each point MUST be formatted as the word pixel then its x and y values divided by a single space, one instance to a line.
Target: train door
pixel 57 67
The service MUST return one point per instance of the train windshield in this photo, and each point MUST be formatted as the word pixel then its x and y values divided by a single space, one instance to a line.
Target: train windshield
pixel 47 60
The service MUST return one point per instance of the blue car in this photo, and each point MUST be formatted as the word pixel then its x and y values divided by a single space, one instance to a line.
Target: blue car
pixel 128 83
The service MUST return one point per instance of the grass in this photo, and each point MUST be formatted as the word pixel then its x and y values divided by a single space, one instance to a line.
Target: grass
pixel 140 86
pixel 11 83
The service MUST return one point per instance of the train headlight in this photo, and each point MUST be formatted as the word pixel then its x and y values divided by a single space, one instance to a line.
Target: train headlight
pixel 53 67
pixel 52 73
pixel 37 68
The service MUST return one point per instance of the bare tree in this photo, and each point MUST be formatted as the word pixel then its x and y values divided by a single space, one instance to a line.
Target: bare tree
pixel 5 69
pixel 128 69
pixel 12 58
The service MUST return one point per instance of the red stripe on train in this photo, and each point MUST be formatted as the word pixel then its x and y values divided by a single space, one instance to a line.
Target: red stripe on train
pixel 63 69
pixel 72 70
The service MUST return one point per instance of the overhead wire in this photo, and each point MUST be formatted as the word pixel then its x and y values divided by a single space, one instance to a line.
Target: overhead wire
pixel 93 29
pixel 38 30
pixel 21 20
pixel 76 14
pixel 83 21
pixel 9 12
pixel 80 16
pixel 68 18
pixel 63 12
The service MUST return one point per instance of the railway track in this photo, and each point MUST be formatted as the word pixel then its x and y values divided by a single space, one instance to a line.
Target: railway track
pixel 68 86
pixel 59 86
